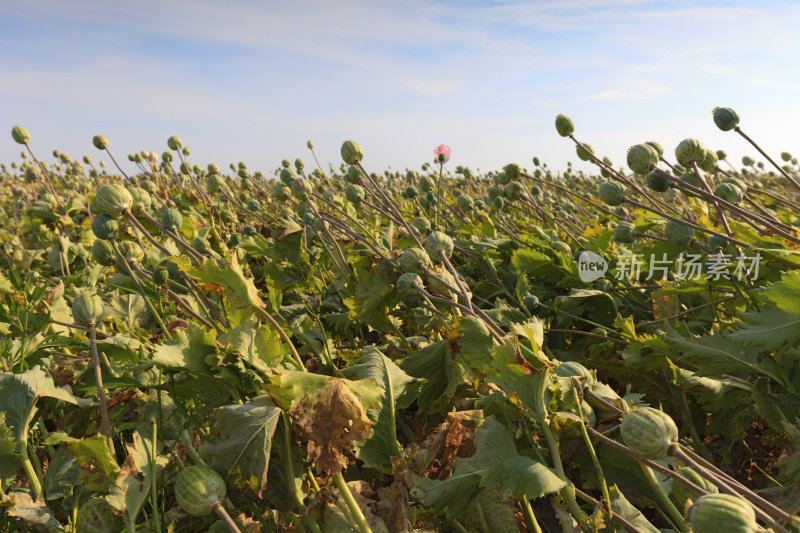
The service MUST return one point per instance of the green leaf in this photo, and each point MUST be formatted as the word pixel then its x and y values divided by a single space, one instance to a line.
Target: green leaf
pixel 259 345
pixel 19 393
pixel 34 515
pixel 244 441
pixel 621 506
pixel 519 477
pixel 187 350
pixel 98 467
pixel 374 295
pixel 493 446
pixel 9 459
pixel 62 474
pixel 131 488
pixel 288 389
pixel 443 374
pixel 239 290
pixel 382 444
pixel 778 323
pixel 715 354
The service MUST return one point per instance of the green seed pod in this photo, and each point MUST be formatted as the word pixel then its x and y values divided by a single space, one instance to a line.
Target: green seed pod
pixel 464 202
pixel 584 151
pixel 716 243
pixel 624 232
pixel 353 175
pixel 100 142
pixel 301 187
pixel 729 192
pixel 641 158
pixel 287 176
pixel 437 241
pixel 657 182
pixel 112 200
pixel 725 118
pixel 564 125
pixel 681 494
pixel 309 144
pixel 721 155
pixel 709 162
pixel 87 309
pixel 218 527
pixel 426 184
pixel 405 287
pixel 299 165
pixel 250 230
pixel 20 135
pixel 649 432
pixel 308 219
pixel 105 227
pixel 786 156
pixel 354 193
pixel 141 199
pixel 739 183
pixel 575 369
pixel 422 225
pixel 213 169
pixel 160 276
pixel 678 234
pixel 174 143
pixel 97 516
pixel 282 192
pixel 657 146
pixel 131 252
pixel 611 193
pixel 748 161
pixel 410 193
pixel 351 152
pixel 692 179
pixel 411 258
pixel 513 171
pixel 561 246
pixel 512 191
pixel 689 150
pixel 198 489
pixel 602 284
pixel 499 203
pixel 714 513
pixel 302 208
pixel 501 178
pixel 102 252
pixel 171 219
pixel 201 244
pixel 531 302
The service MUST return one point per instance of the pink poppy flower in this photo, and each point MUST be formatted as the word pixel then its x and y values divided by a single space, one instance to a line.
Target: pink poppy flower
pixel 441 153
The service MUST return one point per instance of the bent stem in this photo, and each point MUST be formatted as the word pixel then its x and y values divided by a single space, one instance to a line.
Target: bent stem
pixel 794 182
pixel 223 515
pixel 355 510
pixel 153 474
pixel 105 427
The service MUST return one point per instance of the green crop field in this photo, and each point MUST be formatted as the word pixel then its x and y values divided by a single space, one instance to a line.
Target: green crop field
pixel 341 349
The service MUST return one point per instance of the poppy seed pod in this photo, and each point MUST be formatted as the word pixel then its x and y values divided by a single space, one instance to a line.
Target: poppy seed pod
pixel 100 142
pixel 174 143
pixel 612 193
pixel 689 150
pixel 709 162
pixel 20 135
pixel 641 158
pixel 725 118
pixel 564 125
pixel 310 144
pixel 351 152
pixel 584 151
pixel 513 171
pixel 659 149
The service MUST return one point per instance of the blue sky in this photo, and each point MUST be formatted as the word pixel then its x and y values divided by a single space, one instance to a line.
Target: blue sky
pixel 252 81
